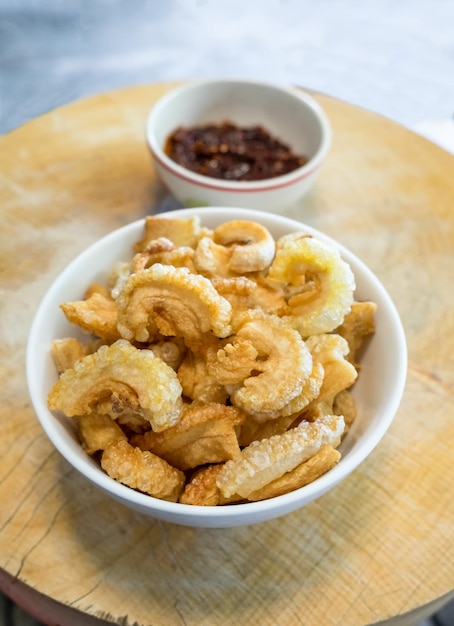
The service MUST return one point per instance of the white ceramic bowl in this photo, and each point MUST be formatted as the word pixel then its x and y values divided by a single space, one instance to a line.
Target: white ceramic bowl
pixel 378 390
pixel 289 114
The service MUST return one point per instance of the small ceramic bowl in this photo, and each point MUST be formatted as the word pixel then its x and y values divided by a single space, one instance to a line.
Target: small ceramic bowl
pixel 378 390
pixel 288 114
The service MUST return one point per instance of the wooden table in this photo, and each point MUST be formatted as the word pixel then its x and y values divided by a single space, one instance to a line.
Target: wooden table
pixel 380 545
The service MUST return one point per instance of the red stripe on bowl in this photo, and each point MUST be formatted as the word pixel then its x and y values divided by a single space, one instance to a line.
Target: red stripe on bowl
pixel 218 187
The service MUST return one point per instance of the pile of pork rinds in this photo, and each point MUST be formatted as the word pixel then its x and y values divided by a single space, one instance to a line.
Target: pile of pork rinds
pixel 218 364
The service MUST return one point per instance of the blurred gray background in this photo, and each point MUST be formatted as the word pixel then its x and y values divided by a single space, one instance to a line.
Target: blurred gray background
pixel 395 57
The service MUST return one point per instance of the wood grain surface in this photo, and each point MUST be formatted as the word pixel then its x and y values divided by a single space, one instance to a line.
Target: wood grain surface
pixel 381 544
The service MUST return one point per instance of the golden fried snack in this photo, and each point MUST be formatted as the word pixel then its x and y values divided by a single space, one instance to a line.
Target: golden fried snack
pixel 143 471
pixel 315 410
pixel 251 245
pixel 211 259
pixel 181 232
pixel 96 315
pixel 264 461
pixel 358 324
pixel 246 293
pixel 97 432
pixel 322 461
pixel 127 414
pixel 264 367
pixel 202 490
pixel 252 430
pixel 97 288
pixel 255 333
pixel 233 362
pixel 233 248
pixel 119 274
pixel 344 404
pixel 239 291
pixel 268 296
pixel 155 246
pixel 173 302
pixel 196 379
pixel 66 352
pixel 318 282
pixel 125 375
pixel 171 351
pixel 160 244
pixel 205 434
pixel 266 423
pixel 163 251
pixel 310 391
pixel 330 350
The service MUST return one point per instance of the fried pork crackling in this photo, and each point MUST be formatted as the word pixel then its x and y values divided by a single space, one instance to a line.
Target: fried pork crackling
pixel 218 364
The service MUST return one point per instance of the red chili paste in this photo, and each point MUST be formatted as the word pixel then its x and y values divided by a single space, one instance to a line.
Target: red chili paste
pixel 232 153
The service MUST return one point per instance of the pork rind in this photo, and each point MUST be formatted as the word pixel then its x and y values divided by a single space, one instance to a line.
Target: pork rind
pixel 234 248
pixel 181 232
pixel 266 460
pixel 196 379
pixel 173 302
pixel 205 434
pixel 344 404
pixel 264 345
pixel 202 490
pixel 319 283
pixel 97 432
pixel 96 315
pixel 66 353
pixel 171 351
pixel 143 471
pixel 303 474
pixel 219 364
pixel 163 251
pixel 331 350
pixel 126 379
pixel 357 326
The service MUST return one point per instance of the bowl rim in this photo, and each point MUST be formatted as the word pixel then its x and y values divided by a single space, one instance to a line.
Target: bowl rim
pixel 278 182
pixel 228 514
